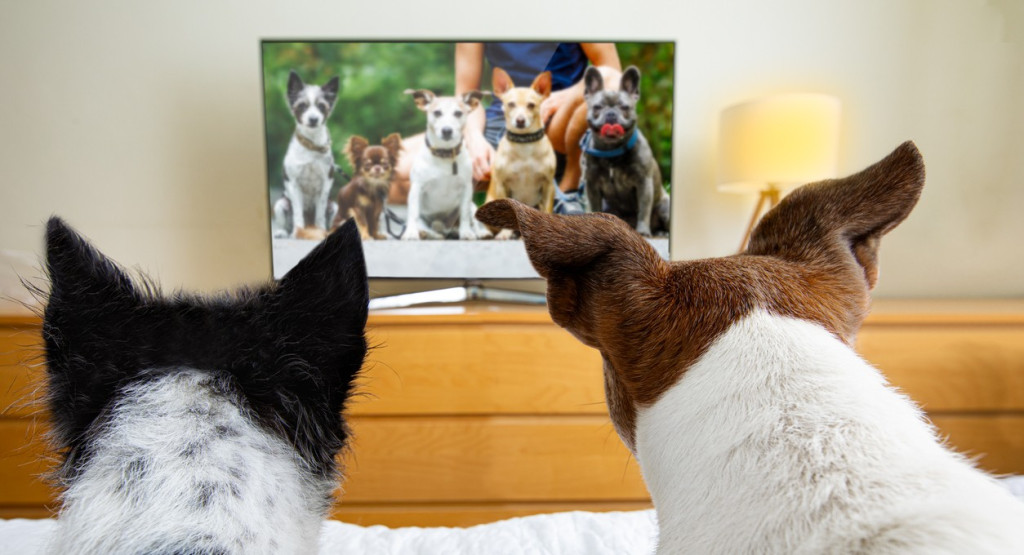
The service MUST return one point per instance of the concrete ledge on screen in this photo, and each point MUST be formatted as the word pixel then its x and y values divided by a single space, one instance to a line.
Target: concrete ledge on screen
pixel 433 259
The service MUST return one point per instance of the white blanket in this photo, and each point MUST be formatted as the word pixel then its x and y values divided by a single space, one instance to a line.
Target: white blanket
pixel 619 533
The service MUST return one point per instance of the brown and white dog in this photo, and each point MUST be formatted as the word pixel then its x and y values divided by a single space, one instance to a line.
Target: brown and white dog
pixel 364 197
pixel 524 164
pixel 734 382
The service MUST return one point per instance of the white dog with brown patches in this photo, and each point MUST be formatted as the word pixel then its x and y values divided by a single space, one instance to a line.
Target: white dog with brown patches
pixel 734 383
pixel 441 178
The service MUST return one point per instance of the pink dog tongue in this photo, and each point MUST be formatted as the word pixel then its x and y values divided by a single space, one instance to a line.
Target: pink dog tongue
pixel 612 130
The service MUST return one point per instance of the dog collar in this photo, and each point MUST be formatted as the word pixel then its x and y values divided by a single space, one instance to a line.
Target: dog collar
pixel 525 137
pixel 304 141
pixel 588 146
pixel 446 153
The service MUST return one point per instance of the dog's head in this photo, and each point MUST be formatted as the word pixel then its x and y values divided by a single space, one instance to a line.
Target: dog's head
pixel 289 350
pixel 446 115
pixel 311 104
pixel 373 162
pixel 521 104
pixel 814 257
pixel 611 114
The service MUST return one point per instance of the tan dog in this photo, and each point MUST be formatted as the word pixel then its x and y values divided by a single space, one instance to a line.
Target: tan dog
pixel 734 382
pixel 524 164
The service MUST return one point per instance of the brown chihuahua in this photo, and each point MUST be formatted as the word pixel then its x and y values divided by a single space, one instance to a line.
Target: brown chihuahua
pixel 363 199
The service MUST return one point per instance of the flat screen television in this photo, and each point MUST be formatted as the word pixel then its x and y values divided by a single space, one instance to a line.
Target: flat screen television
pixel 327 102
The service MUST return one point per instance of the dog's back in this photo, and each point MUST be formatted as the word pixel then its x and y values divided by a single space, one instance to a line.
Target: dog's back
pixel 811 452
pixel 199 425
pixel 733 381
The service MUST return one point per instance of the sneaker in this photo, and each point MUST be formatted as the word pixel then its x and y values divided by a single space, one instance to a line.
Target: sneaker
pixel 569 204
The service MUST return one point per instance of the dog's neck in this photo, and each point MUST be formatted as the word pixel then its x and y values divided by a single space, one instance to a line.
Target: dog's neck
pixel 317 139
pixel 530 137
pixel 443 152
pixel 719 426
pixel 597 150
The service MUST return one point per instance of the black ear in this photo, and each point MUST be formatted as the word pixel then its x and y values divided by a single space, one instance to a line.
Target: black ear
pixel 295 85
pixel 843 220
pixel 630 83
pixel 326 294
pixel 81 278
pixel 330 89
pixel 592 81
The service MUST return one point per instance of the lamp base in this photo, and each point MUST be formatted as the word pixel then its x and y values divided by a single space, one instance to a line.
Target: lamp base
pixel 770 196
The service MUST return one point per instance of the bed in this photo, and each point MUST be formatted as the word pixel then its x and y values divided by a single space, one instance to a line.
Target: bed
pixel 566 533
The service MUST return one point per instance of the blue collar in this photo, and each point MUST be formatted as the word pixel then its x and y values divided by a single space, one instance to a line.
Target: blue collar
pixel 588 146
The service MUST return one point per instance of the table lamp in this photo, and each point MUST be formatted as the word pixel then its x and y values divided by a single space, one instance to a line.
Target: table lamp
pixel 774 143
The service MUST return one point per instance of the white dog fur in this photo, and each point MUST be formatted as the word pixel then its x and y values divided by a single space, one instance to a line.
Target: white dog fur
pixel 880 466
pixel 158 421
pixel 441 187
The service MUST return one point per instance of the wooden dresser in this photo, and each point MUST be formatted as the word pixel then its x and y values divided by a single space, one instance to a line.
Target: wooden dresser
pixel 476 413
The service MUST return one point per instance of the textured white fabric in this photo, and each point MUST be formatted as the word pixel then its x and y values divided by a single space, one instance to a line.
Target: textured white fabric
pixel 583 533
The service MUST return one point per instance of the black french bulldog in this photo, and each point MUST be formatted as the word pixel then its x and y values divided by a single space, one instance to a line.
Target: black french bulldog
pixel 621 175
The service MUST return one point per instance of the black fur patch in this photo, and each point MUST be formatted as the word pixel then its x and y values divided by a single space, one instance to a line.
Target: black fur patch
pixel 288 351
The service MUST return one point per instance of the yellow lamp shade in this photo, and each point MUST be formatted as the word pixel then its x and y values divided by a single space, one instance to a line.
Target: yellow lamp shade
pixel 777 142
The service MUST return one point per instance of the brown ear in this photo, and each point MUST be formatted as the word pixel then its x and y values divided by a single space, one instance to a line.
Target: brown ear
pixel 472 98
pixel 422 97
pixel 393 143
pixel 354 149
pixel 572 252
pixel 542 84
pixel 844 219
pixel 501 81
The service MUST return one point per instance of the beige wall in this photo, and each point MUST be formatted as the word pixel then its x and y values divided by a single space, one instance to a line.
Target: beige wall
pixel 141 122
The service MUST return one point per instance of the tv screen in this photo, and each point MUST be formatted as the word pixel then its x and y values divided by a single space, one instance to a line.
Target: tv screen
pixel 409 138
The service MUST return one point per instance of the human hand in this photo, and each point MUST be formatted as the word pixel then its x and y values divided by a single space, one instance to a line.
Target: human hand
pixel 549 107
pixel 481 153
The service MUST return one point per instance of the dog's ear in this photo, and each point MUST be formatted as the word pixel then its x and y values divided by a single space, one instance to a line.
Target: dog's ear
pixel 82 279
pixel 841 221
pixel 592 81
pixel 330 89
pixel 542 84
pixel 472 98
pixel 630 83
pixel 295 85
pixel 575 252
pixel 354 149
pixel 422 97
pixel 326 293
pixel 501 81
pixel 393 144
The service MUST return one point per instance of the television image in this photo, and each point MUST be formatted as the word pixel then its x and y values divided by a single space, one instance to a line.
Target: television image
pixel 348 125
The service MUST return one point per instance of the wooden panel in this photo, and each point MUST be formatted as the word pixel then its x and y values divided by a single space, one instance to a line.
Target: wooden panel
pixel 463 515
pixel 20 362
pixel 486 369
pixel 466 459
pixel 997 441
pixel 23 464
pixel 951 368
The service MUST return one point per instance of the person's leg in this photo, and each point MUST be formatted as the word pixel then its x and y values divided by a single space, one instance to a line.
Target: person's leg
pixel 411 147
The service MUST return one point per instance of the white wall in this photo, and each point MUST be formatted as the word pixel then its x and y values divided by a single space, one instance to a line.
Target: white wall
pixel 141 122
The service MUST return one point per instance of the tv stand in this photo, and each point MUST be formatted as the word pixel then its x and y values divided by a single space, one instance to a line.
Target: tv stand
pixel 471 290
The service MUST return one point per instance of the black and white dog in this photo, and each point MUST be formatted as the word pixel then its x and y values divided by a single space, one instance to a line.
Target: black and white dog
pixel 192 424
pixel 308 163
